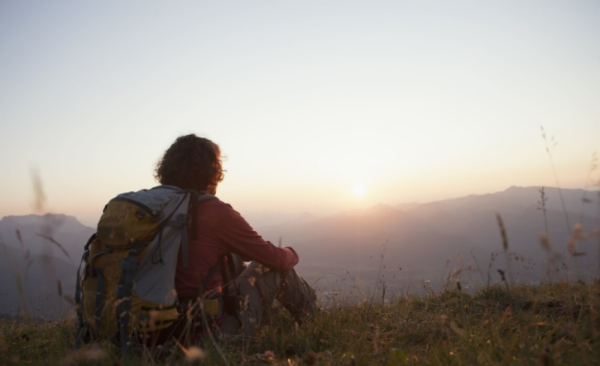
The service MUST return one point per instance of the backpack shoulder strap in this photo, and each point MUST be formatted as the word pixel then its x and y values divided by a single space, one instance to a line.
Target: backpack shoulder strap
pixel 209 275
pixel 232 267
pixel 194 200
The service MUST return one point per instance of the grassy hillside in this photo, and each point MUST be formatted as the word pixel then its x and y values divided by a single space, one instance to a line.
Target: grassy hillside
pixel 525 325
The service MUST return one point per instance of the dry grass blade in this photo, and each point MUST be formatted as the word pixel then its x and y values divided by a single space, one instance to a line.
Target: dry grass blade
pixel 17 274
pixel 549 151
pixel 542 207
pixel 584 199
pixel 571 244
pixel 20 239
pixel 51 239
pixel 502 232
pixel 28 265
pixel 209 332
pixel 505 247
pixel 38 191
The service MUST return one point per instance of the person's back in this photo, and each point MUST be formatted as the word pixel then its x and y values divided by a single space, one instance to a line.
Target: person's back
pixel 222 229
pixel 242 293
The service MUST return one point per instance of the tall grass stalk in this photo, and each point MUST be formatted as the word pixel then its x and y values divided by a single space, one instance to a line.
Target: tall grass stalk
pixel 542 207
pixel 57 244
pixel 14 268
pixel 378 278
pixel 554 323
pixel 549 147
pixel 558 322
pixel 208 331
pixel 584 199
pixel 504 237
pixel 598 234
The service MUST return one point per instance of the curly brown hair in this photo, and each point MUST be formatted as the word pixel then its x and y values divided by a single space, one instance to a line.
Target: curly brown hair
pixel 191 162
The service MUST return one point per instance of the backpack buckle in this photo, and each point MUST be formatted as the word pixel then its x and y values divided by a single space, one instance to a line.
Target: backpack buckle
pixel 140 214
pixel 157 216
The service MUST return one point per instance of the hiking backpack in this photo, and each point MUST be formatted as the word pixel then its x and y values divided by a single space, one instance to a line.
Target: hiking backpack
pixel 127 287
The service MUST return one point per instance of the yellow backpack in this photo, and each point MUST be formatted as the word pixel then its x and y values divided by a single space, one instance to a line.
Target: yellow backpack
pixel 127 287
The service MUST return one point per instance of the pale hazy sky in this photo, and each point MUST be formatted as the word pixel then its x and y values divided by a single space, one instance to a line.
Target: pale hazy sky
pixel 411 100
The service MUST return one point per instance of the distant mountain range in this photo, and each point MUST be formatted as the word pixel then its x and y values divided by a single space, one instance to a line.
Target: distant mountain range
pixel 424 239
pixel 38 276
pixel 403 245
pixel 35 231
pixel 30 255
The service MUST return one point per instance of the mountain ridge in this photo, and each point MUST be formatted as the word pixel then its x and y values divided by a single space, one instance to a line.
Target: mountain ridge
pixel 424 240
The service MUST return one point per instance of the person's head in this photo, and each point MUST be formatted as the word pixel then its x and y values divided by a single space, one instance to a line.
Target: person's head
pixel 191 162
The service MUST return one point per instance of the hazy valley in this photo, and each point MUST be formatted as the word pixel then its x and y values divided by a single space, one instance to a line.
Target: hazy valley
pixel 409 247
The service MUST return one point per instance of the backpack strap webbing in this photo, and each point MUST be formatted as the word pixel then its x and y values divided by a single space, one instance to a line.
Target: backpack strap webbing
pixel 79 293
pixel 204 282
pixel 181 223
pixel 203 197
pixel 100 285
pixel 196 197
pixel 130 266
pixel 100 289
pixel 234 265
pixel 193 208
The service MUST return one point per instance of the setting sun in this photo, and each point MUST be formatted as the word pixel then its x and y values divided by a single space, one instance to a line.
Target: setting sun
pixel 358 190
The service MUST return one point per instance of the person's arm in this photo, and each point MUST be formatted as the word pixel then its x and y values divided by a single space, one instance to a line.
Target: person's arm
pixel 240 238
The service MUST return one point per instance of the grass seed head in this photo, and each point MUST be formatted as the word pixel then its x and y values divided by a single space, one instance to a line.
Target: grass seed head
pixel 502 232
pixel 545 241
pixel 502 275
pixel 194 354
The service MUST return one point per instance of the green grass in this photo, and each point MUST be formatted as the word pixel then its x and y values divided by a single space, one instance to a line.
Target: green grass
pixel 524 325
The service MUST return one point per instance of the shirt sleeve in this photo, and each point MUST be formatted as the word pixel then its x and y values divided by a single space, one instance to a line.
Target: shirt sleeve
pixel 240 238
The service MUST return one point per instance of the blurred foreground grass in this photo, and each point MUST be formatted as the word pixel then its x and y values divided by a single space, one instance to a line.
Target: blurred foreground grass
pixel 548 324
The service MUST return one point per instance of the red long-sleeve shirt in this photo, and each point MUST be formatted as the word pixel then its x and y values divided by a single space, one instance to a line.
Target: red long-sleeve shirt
pixel 220 228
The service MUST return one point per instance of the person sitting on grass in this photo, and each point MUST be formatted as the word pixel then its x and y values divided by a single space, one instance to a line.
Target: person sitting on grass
pixel 194 163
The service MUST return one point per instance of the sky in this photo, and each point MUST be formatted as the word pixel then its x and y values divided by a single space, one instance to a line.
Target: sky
pixel 318 106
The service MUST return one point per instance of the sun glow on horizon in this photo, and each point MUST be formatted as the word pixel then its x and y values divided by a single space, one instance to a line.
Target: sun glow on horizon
pixel 346 105
pixel 358 190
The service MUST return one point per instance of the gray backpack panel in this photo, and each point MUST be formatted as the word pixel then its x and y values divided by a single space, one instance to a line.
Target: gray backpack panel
pixel 155 277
